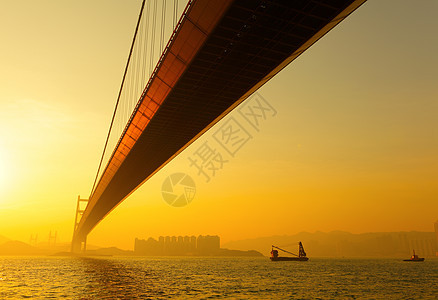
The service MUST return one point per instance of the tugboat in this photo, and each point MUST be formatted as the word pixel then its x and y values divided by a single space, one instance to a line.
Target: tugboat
pixel 300 257
pixel 415 257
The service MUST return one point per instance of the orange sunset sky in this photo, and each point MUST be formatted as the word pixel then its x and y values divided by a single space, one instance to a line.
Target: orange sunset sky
pixel 353 146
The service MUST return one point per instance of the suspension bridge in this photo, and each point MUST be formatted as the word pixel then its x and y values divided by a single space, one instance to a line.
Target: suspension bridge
pixel 185 71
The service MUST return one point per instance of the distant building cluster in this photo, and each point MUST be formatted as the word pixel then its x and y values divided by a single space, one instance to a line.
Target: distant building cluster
pixel 172 245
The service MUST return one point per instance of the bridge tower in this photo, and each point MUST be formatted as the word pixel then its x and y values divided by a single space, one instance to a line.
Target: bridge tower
pixel 80 244
pixel 33 240
pixel 52 239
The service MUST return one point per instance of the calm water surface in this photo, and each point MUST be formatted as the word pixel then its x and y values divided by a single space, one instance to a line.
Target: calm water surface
pixel 207 278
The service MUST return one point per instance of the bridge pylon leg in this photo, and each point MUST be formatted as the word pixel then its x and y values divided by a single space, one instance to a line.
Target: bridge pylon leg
pixel 79 244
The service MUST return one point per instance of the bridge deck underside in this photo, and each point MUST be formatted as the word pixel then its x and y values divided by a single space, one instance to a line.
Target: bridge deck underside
pixel 250 41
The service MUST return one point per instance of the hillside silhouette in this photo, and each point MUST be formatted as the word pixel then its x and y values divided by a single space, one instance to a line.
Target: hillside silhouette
pixel 19 248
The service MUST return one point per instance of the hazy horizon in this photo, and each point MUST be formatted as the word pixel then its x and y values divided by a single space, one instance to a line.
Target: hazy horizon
pixel 44 241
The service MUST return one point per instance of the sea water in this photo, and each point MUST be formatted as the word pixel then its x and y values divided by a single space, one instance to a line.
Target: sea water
pixel 215 278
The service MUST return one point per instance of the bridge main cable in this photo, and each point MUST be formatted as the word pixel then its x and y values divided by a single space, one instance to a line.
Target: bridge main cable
pixel 118 97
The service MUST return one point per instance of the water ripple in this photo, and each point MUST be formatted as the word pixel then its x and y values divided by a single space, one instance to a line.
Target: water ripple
pixel 215 278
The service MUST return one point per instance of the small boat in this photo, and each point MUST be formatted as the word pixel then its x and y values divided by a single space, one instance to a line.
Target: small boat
pixel 415 257
pixel 300 257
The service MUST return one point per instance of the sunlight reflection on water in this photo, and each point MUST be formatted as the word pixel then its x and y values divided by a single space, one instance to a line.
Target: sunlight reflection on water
pixel 206 278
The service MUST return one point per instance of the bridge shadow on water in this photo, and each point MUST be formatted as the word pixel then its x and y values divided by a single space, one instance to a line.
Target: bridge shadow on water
pixel 154 278
pixel 117 279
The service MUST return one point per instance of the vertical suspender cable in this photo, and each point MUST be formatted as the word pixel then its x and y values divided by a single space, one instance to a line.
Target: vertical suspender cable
pixel 138 52
pixel 118 98
pixel 147 18
pixel 154 23
pixel 163 23
pixel 175 8
pixel 144 46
